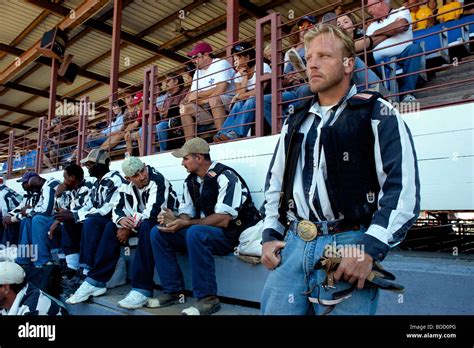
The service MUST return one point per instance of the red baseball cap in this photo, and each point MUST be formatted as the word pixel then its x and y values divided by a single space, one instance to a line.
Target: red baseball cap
pixel 201 47
pixel 137 98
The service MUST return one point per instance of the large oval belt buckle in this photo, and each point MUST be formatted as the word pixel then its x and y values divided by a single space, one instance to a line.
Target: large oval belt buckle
pixel 307 230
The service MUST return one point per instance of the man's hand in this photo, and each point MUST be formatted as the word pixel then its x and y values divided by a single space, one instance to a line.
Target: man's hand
pixel 166 216
pixel 191 97
pixel 53 228
pixel 7 220
pixel 123 234
pixel 63 215
pixel 271 253
pixel 127 222
pixel 60 189
pixel 23 210
pixel 354 268
pixel 175 225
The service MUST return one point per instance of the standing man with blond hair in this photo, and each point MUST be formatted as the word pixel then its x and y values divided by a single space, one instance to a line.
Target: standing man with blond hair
pixel 344 172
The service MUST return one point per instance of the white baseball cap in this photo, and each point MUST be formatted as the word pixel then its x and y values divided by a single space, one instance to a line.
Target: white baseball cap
pixel 11 273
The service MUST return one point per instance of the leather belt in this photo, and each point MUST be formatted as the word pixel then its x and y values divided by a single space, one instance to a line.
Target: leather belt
pixel 308 230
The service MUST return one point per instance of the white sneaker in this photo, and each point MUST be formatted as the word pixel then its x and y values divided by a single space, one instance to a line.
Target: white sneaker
pixel 85 291
pixel 407 98
pixel 133 300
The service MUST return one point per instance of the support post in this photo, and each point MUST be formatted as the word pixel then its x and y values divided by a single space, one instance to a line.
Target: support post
pixel 39 145
pixel 11 139
pixel 232 26
pixel 82 134
pixel 115 57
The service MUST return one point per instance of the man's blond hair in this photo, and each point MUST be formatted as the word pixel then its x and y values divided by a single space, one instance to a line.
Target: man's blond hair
pixel 334 32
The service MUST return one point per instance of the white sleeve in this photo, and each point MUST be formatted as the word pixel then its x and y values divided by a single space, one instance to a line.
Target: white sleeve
pixel 186 206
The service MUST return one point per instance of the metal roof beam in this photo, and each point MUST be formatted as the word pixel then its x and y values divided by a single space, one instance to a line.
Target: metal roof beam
pixel 20 110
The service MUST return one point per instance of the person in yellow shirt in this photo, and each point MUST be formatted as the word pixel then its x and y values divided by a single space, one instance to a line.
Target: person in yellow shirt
pixel 448 12
pixel 423 13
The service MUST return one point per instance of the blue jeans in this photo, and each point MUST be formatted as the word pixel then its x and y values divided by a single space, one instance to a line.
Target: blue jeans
pixel 201 242
pixel 411 65
pixel 97 142
pixel 106 256
pixel 40 225
pixel 11 234
pixel 25 241
pixel 143 264
pixel 359 76
pixel 285 291
pixel 242 114
pixel 71 237
pixel 91 234
pixel 162 134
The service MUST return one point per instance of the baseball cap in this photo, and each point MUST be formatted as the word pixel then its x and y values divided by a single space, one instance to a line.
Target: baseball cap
pixel 137 98
pixel 27 176
pixel 131 165
pixel 201 47
pixel 97 156
pixel 11 273
pixel 195 145
pixel 308 18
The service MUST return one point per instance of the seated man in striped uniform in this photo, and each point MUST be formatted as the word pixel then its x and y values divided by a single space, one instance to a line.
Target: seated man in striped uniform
pixel 136 213
pixel 17 297
pixel 9 200
pixel 97 211
pixel 216 208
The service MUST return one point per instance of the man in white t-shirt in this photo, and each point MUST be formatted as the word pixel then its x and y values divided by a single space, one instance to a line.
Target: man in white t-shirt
pixel 395 26
pixel 212 90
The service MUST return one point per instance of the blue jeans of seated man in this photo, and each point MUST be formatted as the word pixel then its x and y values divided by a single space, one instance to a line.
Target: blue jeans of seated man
pixel 25 249
pixel 11 234
pixel 143 264
pixel 285 291
pixel 106 256
pixel 200 242
pixel 162 134
pixel 91 234
pixel 71 237
pixel 359 76
pixel 242 114
pixel 411 65
pixel 40 225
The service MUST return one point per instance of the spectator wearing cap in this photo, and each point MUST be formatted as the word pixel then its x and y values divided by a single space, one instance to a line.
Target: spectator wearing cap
pixel 216 208
pixel 96 212
pixel 18 297
pixel 391 33
pixel 169 126
pixel 242 113
pixel 212 89
pixel 71 196
pixel 136 213
pixel 133 130
pixel 9 200
pixel 42 218
pixel 302 26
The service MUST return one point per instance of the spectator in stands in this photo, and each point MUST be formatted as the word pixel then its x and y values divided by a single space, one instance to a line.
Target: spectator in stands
pixel 18 218
pixel 329 203
pixel 41 220
pixel 216 208
pixel 133 130
pixel 95 215
pixel 112 135
pixel 9 200
pixel 420 16
pixel 212 88
pixel 468 7
pixel 267 54
pixel 169 125
pixel 394 28
pixel 242 113
pixel 188 75
pixel 71 196
pixel 18 297
pixel 450 11
pixel 136 213
pixel 433 6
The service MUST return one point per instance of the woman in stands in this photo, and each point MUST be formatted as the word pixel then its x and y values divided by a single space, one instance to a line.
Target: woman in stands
pixel 133 130
pixel 242 112
pixel 111 136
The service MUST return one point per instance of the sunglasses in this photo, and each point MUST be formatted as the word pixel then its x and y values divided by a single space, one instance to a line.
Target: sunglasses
pixel 305 26
pixel 199 55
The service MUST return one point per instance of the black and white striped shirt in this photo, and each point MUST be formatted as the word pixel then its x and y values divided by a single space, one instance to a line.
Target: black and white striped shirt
pixel 231 197
pixel 147 201
pixel 75 199
pixel 32 301
pixel 30 199
pixel 45 205
pixel 398 199
pixel 9 200
pixel 103 196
